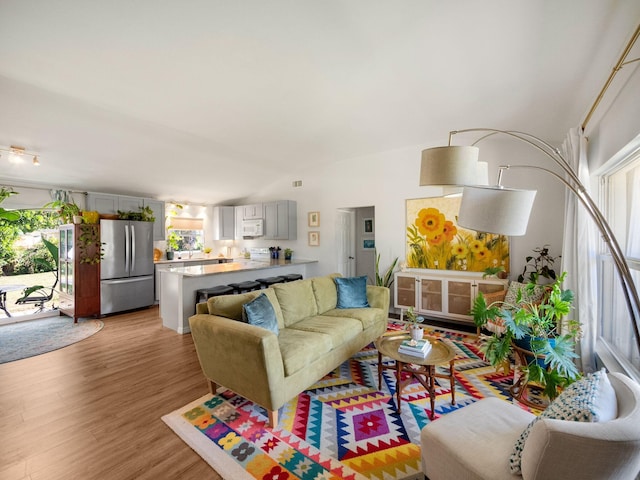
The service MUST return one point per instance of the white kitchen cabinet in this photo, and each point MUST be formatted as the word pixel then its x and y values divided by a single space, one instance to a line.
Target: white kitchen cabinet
pixel 280 220
pixel 252 212
pixel 157 207
pixel 239 214
pixel 442 294
pixel 224 223
pixel 108 203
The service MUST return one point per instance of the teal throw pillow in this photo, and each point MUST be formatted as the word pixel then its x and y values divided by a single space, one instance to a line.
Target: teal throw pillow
pixel 590 399
pixel 260 312
pixel 352 292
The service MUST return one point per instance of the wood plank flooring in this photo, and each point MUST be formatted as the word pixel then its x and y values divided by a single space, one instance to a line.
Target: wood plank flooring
pixel 92 410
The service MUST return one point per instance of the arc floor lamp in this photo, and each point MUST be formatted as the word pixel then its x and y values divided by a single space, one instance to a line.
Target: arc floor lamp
pixel 506 211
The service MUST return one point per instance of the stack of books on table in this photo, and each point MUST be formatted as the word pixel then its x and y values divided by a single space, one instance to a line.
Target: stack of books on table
pixel 419 348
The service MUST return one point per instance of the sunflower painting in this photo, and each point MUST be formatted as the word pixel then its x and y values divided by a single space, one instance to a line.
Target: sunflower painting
pixel 435 241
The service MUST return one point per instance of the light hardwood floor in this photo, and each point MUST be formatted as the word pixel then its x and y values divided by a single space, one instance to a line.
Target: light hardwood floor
pixel 92 410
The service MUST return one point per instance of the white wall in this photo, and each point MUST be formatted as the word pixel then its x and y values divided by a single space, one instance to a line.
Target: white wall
pixel 386 180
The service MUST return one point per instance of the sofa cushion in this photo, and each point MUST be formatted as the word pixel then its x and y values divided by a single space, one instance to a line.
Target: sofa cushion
pixel 368 316
pixel 352 292
pixel 589 399
pixel 339 329
pixel 260 312
pixel 324 289
pixel 296 300
pixel 300 348
pixel 230 306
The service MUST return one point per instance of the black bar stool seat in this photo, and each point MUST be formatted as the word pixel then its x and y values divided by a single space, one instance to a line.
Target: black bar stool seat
pixel 204 293
pixel 267 282
pixel 247 286
pixel 292 277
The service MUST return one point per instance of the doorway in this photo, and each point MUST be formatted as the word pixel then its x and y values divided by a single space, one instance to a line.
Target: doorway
pixel 355 231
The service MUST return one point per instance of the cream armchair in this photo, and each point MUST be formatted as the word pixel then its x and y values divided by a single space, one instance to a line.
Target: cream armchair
pixel 475 442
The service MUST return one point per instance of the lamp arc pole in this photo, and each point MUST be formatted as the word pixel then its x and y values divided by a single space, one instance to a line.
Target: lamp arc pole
pixel 574 185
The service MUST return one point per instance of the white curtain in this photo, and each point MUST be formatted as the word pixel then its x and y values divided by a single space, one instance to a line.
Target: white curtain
pixel 579 251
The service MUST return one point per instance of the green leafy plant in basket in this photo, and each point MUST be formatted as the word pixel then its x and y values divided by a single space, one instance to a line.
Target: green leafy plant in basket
pixel 541 329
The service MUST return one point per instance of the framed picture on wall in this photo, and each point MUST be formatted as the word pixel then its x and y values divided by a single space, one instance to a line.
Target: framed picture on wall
pixel 367 226
pixel 435 241
pixel 314 239
pixel 368 244
pixel 314 219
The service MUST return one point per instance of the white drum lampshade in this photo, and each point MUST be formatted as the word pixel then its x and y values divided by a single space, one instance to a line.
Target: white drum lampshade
pixel 449 166
pixel 504 211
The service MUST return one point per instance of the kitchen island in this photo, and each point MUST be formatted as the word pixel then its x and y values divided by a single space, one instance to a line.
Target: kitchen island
pixel 180 284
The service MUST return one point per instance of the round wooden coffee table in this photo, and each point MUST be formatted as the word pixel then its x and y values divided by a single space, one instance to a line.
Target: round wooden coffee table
pixel 422 369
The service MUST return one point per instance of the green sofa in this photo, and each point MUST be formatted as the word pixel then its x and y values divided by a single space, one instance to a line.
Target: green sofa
pixel 314 338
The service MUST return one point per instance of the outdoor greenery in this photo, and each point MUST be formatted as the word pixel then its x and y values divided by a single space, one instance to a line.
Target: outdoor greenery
pixel 27 221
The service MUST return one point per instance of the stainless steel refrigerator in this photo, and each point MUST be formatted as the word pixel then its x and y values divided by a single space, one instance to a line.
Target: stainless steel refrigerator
pixel 126 269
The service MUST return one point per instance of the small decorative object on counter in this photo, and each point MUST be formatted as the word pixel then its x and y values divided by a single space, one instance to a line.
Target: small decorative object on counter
pixel 288 253
pixel 275 252
pixel 206 250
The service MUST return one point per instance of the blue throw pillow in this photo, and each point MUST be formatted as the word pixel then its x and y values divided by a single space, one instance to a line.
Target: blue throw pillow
pixel 260 312
pixel 352 292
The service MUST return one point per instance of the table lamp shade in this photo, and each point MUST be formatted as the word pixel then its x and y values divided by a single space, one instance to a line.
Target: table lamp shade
pixel 503 211
pixel 449 166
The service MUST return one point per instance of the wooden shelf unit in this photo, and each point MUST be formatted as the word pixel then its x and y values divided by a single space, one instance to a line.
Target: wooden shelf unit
pixel 79 281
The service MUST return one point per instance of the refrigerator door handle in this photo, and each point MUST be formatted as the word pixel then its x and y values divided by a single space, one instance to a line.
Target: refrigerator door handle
pixel 127 248
pixel 133 248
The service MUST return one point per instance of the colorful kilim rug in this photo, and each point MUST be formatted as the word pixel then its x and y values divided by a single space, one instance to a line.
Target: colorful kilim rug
pixel 342 427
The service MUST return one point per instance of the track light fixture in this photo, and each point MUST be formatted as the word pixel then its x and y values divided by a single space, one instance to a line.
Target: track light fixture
pixel 16 154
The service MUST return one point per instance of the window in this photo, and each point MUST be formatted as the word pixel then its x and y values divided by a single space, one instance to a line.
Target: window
pixel 621 201
pixel 186 234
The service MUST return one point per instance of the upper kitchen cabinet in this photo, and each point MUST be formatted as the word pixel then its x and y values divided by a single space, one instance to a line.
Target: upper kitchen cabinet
pixel 157 207
pixel 224 223
pixel 252 212
pixel 239 214
pixel 280 220
pixel 107 203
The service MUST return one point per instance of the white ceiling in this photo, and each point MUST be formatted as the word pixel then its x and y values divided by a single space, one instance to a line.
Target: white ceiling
pixel 209 101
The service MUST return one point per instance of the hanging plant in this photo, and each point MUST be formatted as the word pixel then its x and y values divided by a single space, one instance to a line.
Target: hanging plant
pixel 89 245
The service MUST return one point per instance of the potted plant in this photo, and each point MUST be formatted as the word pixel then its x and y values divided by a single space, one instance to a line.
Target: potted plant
pixel 173 244
pixel 538 266
pixel 385 280
pixel 66 210
pixel 539 332
pixel 414 320
pixel 288 253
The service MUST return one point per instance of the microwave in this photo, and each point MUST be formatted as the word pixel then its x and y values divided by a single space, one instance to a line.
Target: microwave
pixel 252 228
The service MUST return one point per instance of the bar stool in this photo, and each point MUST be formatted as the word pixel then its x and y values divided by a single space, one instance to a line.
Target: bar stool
pixel 247 286
pixel 292 277
pixel 204 293
pixel 267 282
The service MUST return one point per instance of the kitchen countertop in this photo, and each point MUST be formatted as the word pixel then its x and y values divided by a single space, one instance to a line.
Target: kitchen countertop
pixel 236 266
pixel 192 260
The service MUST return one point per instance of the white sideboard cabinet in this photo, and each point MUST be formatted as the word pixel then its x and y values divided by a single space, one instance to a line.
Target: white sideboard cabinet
pixel 441 293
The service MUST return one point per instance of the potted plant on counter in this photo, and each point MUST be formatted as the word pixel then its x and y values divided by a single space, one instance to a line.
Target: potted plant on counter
pixel 172 244
pixel 288 253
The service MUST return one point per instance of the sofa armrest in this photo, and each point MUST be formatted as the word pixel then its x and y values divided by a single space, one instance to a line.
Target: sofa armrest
pixel 202 307
pixel 378 297
pixel 242 357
